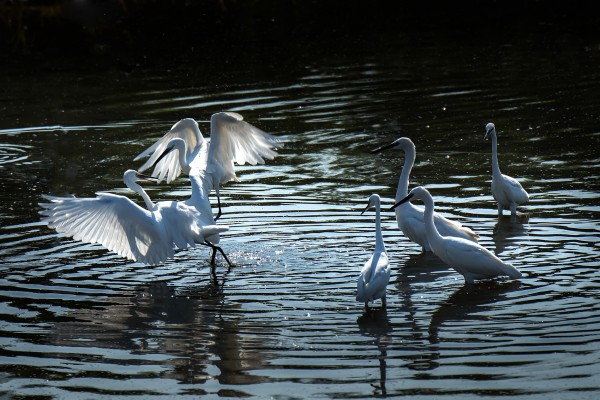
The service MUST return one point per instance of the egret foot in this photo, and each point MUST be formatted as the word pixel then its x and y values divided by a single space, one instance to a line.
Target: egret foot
pixel 216 248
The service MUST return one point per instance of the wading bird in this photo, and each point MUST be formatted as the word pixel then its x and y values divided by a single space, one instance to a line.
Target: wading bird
pixel 469 259
pixel 375 274
pixel 507 191
pixel 410 217
pixel 144 235
pixel 231 140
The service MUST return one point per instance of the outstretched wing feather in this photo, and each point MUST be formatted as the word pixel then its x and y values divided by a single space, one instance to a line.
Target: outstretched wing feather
pixel 235 141
pixel 113 221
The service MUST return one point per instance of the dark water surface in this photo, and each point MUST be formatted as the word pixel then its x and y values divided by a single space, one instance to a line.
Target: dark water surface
pixel 80 322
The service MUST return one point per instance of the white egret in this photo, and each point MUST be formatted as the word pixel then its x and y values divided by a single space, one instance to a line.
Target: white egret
pixel 120 225
pixel 410 217
pixel 375 274
pixel 507 191
pixel 470 259
pixel 231 140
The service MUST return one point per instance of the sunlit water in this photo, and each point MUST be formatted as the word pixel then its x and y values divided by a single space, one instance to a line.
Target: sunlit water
pixel 79 321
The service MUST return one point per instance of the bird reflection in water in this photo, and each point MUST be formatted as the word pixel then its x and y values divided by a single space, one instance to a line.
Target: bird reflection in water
pixel 508 230
pixel 194 327
pixel 375 323
pixel 420 269
pixel 468 303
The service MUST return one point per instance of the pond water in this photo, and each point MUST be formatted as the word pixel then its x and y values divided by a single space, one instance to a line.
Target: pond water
pixel 79 322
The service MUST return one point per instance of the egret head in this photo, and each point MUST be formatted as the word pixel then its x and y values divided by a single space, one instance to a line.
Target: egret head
pixel 145 178
pixel 417 193
pixel 403 143
pixel 374 201
pixel 174 144
pixel 131 176
pixel 489 128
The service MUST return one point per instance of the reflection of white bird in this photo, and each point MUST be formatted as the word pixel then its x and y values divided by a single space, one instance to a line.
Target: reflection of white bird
pixel 231 140
pixel 507 192
pixel 120 225
pixel 410 217
pixel 470 259
pixel 375 274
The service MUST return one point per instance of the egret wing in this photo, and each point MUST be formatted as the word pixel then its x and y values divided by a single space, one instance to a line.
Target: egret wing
pixel 447 227
pixel 168 168
pixel 515 190
pixel 234 140
pixel 468 257
pixel 374 280
pixel 113 221
pixel 411 222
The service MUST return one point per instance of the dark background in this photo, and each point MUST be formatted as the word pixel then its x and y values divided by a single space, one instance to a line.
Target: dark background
pixel 130 33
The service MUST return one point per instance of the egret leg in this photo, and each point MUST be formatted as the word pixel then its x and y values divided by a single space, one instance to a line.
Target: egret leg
pixel 216 248
pixel 383 302
pixel 213 256
pixel 219 205
pixel 513 209
pixel 499 210
pixel 469 279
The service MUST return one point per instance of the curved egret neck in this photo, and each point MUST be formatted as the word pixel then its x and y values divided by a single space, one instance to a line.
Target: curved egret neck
pixel 495 165
pixel 409 161
pixel 433 235
pixel 129 179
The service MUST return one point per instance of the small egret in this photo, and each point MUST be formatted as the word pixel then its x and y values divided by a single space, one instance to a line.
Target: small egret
pixel 410 217
pixel 231 140
pixel 470 259
pixel 120 225
pixel 375 274
pixel 507 191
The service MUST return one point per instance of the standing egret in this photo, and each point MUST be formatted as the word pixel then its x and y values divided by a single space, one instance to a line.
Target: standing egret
pixel 470 259
pixel 120 225
pixel 507 191
pixel 410 217
pixel 231 140
pixel 375 274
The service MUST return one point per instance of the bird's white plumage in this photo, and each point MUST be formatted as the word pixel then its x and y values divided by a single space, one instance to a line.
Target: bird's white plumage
pixel 120 225
pixel 410 217
pixel 506 190
pixel 232 140
pixel 375 274
pixel 468 258
pixel 169 168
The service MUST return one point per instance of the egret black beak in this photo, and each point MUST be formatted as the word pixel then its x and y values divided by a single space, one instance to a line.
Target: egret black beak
pixel 164 154
pixel 382 148
pixel 366 208
pixel 404 200
pixel 147 178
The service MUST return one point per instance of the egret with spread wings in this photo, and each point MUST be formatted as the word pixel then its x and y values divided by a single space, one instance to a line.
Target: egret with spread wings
pixel 232 140
pixel 146 235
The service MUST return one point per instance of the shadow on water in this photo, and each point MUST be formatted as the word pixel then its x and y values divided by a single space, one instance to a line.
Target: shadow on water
pixel 421 268
pixel 509 230
pixel 189 332
pixel 468 302
pixel 375 323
